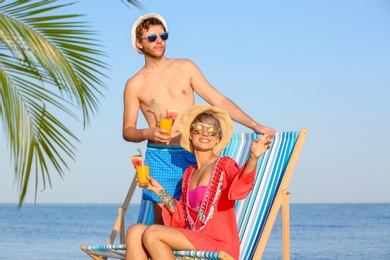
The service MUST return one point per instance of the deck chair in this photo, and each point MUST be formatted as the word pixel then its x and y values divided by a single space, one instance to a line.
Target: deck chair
pixel 255 214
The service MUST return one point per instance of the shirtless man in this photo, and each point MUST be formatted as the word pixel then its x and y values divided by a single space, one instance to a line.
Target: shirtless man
pixel 171 83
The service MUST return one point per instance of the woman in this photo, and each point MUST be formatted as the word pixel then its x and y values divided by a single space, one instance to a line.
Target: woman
pixel 203 218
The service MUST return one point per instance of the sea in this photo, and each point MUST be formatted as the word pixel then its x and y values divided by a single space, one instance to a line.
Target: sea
pixel 317 231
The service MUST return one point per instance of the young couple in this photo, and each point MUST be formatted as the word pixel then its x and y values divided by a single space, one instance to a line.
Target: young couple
pixel 208 180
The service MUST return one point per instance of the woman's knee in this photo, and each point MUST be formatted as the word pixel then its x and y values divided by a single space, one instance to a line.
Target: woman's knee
pixel 151 234
pixel 135 232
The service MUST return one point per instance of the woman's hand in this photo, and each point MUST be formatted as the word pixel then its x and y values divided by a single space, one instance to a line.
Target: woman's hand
pixel 258 147
pixel 262 144
pixel 159 190
pixel 153 185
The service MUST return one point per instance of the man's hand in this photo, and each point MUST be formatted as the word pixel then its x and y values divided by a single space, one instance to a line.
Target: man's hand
pixel 260 129
pixel 157 137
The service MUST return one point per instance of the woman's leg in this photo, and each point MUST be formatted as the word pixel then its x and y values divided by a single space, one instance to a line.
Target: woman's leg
pixel 134 247
pixel 160 240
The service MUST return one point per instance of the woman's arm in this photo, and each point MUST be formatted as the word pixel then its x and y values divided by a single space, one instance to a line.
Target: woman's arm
pixel 169 202
pixel 258 147
pixel 155 186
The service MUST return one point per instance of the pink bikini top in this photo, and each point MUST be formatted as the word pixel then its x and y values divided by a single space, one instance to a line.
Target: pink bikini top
pixel 195 196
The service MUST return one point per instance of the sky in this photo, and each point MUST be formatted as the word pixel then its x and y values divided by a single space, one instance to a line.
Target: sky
pixel 323 65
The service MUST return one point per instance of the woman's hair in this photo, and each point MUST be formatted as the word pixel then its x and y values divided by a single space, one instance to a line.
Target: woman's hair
pixel 208 118
pixel 145 25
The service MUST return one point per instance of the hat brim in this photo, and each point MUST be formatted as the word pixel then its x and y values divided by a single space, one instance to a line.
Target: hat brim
pixel 139 20
pixel 221 115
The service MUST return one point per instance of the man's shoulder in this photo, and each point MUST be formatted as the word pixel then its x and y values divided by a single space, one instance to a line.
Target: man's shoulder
pixel 135 80
pixel 181 60
pixel 183 63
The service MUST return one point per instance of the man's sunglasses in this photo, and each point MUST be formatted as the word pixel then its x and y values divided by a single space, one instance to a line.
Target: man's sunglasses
pixel 153 37
pixel 211 130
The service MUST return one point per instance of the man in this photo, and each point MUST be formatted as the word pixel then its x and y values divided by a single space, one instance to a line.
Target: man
pixel 171 84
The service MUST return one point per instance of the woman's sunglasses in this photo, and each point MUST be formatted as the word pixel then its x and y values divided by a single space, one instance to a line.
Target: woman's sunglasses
pixel 211 130
pixel 153 37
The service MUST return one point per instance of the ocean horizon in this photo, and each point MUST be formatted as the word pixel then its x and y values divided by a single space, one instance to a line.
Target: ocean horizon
pixel 317 231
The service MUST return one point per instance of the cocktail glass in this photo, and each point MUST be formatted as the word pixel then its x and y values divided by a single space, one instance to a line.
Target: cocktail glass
pixel 166 124
pixel 142 172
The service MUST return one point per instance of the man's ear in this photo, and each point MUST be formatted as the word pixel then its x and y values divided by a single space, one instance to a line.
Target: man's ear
pixel 139 44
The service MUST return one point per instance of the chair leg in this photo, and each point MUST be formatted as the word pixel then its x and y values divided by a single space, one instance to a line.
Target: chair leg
pixel 286 224
pixel 119 226
pixel 91 255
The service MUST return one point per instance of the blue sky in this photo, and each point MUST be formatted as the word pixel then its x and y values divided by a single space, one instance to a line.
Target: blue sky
pixel 323 65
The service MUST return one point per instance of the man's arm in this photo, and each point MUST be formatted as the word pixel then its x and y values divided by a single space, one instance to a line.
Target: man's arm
pixel 131 106
pixel 206 91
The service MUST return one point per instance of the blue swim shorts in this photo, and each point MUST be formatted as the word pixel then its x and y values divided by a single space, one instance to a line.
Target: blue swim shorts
pixel 167 165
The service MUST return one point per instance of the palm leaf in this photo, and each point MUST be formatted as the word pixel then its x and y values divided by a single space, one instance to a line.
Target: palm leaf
pixel 50 67
pixel 135 3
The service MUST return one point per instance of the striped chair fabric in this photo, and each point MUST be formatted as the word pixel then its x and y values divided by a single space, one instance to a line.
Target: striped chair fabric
pixel 251 213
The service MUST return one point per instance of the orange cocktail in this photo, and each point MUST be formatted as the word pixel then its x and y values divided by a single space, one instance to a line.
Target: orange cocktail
pixel 166 124
pixel 142 172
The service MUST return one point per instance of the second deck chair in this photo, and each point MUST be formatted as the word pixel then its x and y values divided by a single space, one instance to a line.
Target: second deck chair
pixel 255 215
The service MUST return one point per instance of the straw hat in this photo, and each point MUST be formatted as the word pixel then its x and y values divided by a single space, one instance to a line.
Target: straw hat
pixel 140 20
pixel 221 115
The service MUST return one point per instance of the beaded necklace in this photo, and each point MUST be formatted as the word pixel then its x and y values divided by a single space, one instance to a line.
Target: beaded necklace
pixel 199 216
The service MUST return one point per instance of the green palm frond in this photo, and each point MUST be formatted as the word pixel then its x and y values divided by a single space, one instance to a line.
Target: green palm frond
pixel 50 68
pixel 135 3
